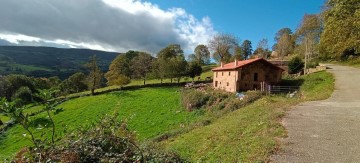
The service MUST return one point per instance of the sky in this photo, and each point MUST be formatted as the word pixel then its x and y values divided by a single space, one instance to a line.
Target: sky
pixel 145 25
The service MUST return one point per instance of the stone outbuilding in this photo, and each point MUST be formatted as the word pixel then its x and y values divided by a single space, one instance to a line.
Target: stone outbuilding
pixel 246 75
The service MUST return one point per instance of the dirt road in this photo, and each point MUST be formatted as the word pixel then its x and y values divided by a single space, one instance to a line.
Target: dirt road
pixel 329 130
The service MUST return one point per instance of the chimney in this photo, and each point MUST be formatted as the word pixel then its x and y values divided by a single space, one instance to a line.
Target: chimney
pixel 221 64
pixel 236 62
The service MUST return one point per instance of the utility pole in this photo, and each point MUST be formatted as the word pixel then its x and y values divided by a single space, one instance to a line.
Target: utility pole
pixel 306 54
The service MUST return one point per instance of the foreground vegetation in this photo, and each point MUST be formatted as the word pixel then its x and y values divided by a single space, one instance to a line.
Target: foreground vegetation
pixel 144 110
pixel 248 134
pixel 204 134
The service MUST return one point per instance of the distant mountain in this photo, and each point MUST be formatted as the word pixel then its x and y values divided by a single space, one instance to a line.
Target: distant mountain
pixel 49 61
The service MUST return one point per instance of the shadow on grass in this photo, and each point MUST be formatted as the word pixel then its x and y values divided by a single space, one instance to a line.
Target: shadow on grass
pixel 292 82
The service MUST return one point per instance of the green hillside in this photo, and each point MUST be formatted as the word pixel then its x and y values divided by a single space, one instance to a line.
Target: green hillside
pixel 145 111
pixel 48 61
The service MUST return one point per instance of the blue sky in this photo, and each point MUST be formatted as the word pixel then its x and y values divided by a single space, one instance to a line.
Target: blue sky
pixel 145 25
pixel 248 19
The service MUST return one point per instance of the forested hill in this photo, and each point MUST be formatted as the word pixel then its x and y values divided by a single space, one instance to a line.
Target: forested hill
pixel 49 61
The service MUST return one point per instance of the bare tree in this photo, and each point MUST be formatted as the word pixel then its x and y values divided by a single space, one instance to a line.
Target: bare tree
pixel 221 45
pixel 262 48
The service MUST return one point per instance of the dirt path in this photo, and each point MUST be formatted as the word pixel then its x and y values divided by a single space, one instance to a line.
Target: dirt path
pixel 329 130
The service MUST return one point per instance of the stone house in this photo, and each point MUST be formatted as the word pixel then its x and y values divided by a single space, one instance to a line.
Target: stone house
pixel 246 75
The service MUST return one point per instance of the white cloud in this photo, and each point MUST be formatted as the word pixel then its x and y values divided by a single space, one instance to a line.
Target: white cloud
pixel 116 25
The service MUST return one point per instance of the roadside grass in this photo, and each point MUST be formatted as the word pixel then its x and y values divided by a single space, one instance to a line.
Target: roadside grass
pixel 355 62
pixel 148 111
pixel 248 134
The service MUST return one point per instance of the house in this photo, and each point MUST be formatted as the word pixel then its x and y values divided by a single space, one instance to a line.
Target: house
pixel 246 75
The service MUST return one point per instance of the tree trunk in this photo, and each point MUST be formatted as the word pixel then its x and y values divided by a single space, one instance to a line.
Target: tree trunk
pixel 144 80
pixel 171 80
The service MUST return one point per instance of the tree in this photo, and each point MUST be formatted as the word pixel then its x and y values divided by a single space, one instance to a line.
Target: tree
pixel 118 71
pixel 170 62
pixel 281 32
pixel 308 36
pixel 246 49
pixel 177 67
pixel 141 65
pixel 202 54
pixel 284 42
pixel 75 83
pixel 238 55
pixel 221 45
pixel 284 45
pixel 340 37
pixel 194 69
pixel 262 49
pixel 295 65
pixel 170 51
pixel 95 75
pixel 11 83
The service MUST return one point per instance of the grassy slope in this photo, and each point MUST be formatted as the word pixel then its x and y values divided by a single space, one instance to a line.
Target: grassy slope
pixel 148 111
pixel 248 134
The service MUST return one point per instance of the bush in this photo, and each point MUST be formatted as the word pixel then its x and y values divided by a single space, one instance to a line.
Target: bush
pixel 215 99
pixel 312 64
pixel 295 65
pixel 24 95
pixel 192 99
pixel 108 141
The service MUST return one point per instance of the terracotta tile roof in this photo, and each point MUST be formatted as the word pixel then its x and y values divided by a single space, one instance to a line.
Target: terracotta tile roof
pixel 231 65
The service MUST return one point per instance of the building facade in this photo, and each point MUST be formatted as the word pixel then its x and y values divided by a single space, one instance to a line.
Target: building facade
pixel 246 75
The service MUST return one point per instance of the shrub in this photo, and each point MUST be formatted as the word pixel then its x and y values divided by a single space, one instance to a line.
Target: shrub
pixel 295 65
pixel 192 99
pixel 24 94
pixel 108 141
pixel 312 64
pixel 215 99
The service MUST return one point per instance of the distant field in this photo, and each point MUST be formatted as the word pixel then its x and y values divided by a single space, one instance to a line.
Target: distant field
pixel 148 111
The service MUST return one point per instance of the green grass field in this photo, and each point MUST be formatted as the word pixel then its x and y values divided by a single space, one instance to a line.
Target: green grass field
pixel 149 112
pixel 245 135
pixel 248 134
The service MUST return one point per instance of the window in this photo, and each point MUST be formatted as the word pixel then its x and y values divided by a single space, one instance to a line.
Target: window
pixel 216 83
pixel 222 73
pixel 229 73
pixel 227 84
pixel 216 74
pixel 255 76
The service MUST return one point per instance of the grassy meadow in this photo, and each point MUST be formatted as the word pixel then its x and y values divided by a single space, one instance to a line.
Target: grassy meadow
pixel 148 111
pixel 245 135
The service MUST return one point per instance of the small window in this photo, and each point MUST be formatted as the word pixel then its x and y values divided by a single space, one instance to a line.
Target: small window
pixel 222 73
pixel 220 83
pixel 227 84
pixel 229 73
pixel 216 74
pixel 255 76
pixel 216 83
